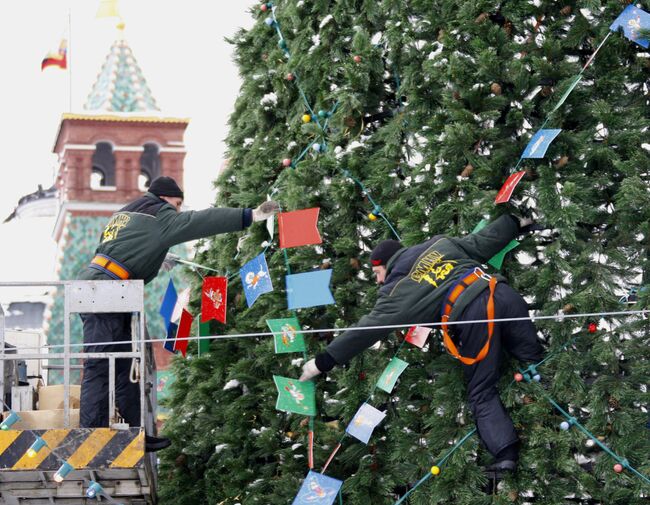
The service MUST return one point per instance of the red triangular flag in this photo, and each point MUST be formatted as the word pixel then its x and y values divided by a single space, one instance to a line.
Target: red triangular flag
pixel 509 186
pixel 213 299
pixel 184 328
pixel 299 227
pixel 417 335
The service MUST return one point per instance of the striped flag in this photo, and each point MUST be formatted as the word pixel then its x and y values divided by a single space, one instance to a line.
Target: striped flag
pixel 57 59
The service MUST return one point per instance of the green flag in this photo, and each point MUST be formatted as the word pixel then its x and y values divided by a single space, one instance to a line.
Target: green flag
pixel 204 343
pixel 568 91
pixel 497 260
pixel 286 335
pixel 391 374
pixel 295 396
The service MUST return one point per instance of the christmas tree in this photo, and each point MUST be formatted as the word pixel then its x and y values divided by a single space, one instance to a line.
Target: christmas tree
pixel 403 119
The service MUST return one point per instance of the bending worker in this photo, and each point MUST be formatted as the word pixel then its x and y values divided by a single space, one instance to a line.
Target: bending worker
pixel 442 280
pixel 133 245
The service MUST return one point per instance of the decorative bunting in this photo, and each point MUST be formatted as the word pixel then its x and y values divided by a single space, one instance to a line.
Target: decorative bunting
pixel 256 279
pixel 364 421
pixel 633 20
pixel 286 335
pixel 204 343
pixel 417 335
pixel 299 228
pixel 214 295
pixel 391 374
pixel 317 489
pixel 184 328
pixel 497 260
pixel 309 289
pixel 168 303
pixel 568 91
pixel 509 186
pixel 295 396
pixel 182 303
pixel 538 145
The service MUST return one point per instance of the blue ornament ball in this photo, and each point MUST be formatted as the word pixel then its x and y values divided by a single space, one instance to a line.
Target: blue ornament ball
pixel 537 377
pixel 564 426
pixel 269 21
pixel 316 147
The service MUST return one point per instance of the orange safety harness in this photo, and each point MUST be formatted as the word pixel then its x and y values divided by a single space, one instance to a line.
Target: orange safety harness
pixel 448 305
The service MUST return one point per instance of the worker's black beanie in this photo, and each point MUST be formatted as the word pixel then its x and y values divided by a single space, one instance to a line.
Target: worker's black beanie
pixel 383 252
pixel 165 186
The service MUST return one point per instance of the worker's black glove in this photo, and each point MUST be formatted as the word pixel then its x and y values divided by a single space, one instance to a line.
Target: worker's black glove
pixel 170 262
pixel 525 224
pixel 266 210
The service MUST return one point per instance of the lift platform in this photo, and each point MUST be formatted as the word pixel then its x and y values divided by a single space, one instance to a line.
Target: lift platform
pixel 69 464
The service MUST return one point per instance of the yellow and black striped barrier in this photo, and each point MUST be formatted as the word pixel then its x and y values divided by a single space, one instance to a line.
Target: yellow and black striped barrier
pixel 93 448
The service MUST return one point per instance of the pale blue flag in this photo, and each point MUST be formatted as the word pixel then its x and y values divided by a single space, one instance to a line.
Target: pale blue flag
pixel 309 289
pixel 364 422
pixel 255 278
pixel 317 489
pixel 633 20
pixel 538 145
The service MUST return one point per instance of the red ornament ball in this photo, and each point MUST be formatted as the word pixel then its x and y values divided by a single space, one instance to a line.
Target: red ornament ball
pixel 289 77
pixel 362 376
pixel 286 162
pixel 592 327
pixel 357 59
pixel 264 7
pixel 618 468
pixel 519 377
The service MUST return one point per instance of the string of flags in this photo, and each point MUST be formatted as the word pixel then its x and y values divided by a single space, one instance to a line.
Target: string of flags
pixel 308 289
pixel 632 21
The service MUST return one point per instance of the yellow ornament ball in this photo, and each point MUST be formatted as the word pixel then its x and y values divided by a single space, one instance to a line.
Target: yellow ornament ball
pixel 306 118
pixel 372 217
pixel 435 470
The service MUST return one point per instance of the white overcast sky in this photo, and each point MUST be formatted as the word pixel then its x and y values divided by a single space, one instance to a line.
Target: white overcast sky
pixel 181 49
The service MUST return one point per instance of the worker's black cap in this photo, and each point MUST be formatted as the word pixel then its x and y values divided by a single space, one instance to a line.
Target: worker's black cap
pixel 165 186
pixel 383 252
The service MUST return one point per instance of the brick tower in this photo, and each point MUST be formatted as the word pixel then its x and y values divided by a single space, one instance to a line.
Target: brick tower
pixel 107 156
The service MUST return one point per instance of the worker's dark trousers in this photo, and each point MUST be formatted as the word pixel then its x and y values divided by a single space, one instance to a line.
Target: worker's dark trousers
pixel 519 338
pixel 94 388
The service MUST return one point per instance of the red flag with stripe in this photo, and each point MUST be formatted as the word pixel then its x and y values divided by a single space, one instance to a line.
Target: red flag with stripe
pixel 184 329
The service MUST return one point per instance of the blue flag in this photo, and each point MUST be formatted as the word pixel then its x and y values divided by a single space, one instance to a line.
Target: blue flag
pixel 538 145
pixel 317 489
pixel 364 422
pixel 256 279
pixel 168 303
pixel 633 20
pixel 309 289
pixel 170 340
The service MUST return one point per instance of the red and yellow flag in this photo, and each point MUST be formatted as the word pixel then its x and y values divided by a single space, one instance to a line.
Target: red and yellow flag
pixel 58 59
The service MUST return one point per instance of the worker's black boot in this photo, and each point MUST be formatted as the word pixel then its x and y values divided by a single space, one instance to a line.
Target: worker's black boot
pixel 506 460
pixel 153 444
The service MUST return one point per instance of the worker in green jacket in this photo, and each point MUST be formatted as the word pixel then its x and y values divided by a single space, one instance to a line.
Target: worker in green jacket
pixel 133 245
pixel 442 280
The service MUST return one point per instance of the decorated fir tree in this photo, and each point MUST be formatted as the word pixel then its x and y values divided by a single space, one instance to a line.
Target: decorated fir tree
pixel 418 111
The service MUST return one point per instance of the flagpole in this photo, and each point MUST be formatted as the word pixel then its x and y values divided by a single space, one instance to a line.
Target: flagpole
pixel 69 57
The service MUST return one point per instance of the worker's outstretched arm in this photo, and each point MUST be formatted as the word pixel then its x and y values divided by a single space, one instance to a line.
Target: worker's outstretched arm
pixel 484 244
pixel 387 311
pixel 178 227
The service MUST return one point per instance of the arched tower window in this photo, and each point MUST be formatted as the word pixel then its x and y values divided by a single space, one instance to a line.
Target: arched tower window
pixel 149 165
pixel 103 173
